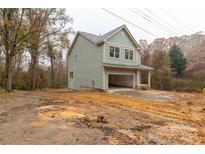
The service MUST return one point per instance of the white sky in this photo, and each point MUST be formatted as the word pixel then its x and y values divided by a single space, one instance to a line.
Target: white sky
pixel 98 21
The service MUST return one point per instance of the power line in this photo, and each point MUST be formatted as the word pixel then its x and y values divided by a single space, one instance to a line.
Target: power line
pixel 163 20
pixel 152 21
pixel 176 20
pixel 170 29
pixel 129 22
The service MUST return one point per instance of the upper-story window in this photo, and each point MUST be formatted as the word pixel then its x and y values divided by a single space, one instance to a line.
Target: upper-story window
pixel 128 54
pixel 114 52
pixel 75 59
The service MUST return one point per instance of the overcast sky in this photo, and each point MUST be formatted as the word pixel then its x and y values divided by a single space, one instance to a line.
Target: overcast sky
pixel 96 21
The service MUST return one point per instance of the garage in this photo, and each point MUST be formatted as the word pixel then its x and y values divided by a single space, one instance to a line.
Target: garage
pixel 120 81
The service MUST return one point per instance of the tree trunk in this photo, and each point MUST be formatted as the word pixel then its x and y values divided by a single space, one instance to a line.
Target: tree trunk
pixel 52 72
pixel 9 73
pixel 34 74
pixel 34 64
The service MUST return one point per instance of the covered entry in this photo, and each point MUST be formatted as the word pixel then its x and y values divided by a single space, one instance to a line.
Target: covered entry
pixel 120 81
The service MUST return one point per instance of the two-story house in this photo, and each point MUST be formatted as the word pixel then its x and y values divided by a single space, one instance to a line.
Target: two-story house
pixel 105 61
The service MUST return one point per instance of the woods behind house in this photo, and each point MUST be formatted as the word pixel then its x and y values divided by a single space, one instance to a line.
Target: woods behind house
pixel 170 71
pixel 34 45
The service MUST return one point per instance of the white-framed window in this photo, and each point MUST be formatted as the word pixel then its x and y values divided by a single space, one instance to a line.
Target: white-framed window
pixel 71 75
pixel 75 59
pixel 114 52
pixel 128 54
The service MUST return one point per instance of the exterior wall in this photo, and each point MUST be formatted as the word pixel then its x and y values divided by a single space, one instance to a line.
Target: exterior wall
pixel 120 72
pixel 122 41
pixel 88 72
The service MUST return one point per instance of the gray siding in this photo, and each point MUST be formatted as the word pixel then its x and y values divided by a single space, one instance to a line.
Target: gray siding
pixel 121 38
pixel 88 72
pixel 122 41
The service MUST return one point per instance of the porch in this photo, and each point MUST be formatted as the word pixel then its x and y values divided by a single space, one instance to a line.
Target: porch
pixel 126 77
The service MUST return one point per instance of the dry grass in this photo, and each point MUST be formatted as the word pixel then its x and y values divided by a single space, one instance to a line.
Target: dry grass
pixel 170 110
pixel 60 112
pixel 69 117
pixel 38 124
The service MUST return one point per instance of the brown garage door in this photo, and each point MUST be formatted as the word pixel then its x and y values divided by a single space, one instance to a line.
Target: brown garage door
pixel 120 81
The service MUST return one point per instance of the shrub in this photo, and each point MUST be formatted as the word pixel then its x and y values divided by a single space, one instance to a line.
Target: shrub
pixel 22 86
pixel 188 85
pixel 178 84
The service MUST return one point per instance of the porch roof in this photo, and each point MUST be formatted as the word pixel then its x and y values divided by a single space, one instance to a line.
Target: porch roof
pixel 138 67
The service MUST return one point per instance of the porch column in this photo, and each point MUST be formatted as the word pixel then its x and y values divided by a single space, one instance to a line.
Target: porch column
pixel 149 78
pixel 138 78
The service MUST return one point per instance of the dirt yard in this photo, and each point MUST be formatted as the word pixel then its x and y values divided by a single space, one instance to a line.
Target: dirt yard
pixel 93 117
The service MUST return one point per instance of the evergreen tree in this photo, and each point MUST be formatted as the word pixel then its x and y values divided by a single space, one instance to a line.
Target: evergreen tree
pixel 178 62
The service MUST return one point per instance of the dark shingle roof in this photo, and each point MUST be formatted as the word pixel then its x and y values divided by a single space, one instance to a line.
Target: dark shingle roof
pixel 96 39
pixel 92 37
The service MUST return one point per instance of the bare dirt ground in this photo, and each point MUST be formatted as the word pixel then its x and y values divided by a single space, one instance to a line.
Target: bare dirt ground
pixel 70 117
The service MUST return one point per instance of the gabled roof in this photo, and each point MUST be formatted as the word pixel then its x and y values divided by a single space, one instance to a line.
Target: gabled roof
pixel 91 37
pixel 95 39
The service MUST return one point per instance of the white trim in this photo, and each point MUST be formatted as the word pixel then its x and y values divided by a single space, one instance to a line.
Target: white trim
pixel 149 78
pixel 114 52
pixel 128 32
pixel 104 52
pixel 120 73
pixel 120 45
pixel 103 77
pixel 113 34
pixel 129 55
pixel 73 43
pixel 103 67
pixel 134 80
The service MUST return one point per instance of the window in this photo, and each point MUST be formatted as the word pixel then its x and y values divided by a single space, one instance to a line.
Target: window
pixel 117 52
pixel 111 51
pixel 71 75
pixel 128 54
pixel 114 52
pixel 75 59
pixel 131 55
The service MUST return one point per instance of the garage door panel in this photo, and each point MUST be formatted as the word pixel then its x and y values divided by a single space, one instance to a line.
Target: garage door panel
pixel 120 80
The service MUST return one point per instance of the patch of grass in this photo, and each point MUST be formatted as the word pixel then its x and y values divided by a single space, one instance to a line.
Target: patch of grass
pixel 21 86
pixel 38 124
pixel 60 112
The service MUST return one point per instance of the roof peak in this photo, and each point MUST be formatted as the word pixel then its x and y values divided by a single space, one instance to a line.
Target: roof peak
pixel 99 38
pixel 104 33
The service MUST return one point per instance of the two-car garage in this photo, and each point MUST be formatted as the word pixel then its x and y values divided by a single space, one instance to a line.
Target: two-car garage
pixel 120 81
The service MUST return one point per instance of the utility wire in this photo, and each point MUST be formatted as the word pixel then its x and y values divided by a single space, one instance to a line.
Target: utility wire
pixel 163 20
pixel 129 22
pixel 190 29
pixel 149 19
pixel 158 22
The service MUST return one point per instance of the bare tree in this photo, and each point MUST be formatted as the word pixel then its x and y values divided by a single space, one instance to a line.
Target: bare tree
pixel 13 33
pixel 47 22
